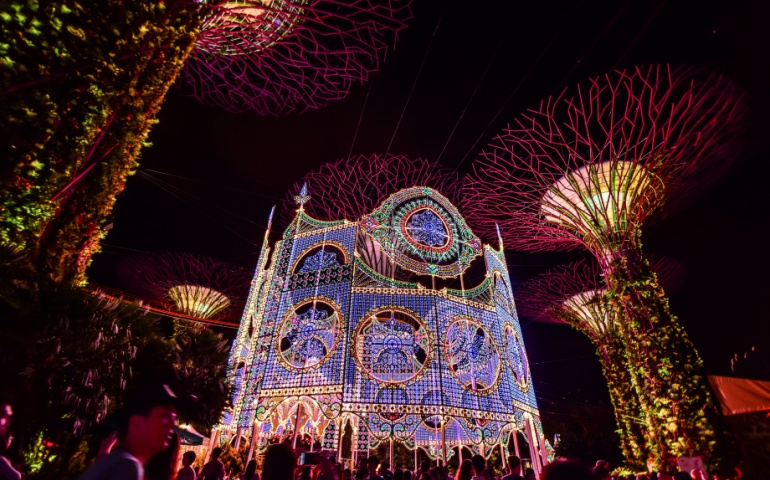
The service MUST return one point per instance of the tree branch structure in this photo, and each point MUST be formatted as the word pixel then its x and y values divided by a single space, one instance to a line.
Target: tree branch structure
pixel 586 169
pixel 351 187
pixel 275 56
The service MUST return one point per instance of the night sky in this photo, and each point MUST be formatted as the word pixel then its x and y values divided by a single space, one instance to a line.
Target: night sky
pixel 222 172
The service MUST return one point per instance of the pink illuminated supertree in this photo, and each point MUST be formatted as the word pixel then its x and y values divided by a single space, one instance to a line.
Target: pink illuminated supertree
pixel 192 285
pixel 575 294
pixel 274 56
pixel 587 169
pixel 351 187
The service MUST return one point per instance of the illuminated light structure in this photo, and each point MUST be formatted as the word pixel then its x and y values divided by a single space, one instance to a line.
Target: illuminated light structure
pixel 587 169
pixel 195 286
pixel 326 341
pixel 352 187
pixel 275 56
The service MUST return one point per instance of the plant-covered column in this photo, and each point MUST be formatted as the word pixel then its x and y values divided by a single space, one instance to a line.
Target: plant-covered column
pixel 630 416
pixel 79 91
pixel 663 361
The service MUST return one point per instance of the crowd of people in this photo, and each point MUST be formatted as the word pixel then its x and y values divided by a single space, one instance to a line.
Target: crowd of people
pixel 145 447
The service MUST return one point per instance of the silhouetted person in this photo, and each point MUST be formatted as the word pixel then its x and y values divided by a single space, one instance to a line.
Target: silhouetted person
pixel 514 468
pixel 187 472
pixel 479 464
pixel 385 472
pixel 566 470
pixel 279 463
pixel 529 474
pixel 600 472
pixel 251 471
pixel 162 465
pixel 145 428
pixel 215 469
pixel 371 463
pixel 6 469
pixel 464 471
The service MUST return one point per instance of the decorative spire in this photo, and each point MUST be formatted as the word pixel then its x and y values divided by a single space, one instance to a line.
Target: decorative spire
pixel 270 218
pixel 302 198
pixel 499 236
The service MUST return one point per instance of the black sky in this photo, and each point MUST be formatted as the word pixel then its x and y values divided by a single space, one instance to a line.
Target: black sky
pixel 230 169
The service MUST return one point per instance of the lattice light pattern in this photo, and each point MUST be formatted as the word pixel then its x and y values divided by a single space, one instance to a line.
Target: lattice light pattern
pixel 329 340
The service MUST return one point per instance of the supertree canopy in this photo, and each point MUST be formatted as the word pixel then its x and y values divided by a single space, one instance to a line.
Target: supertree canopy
pixel 350 187
pixel 78 102
pixel 587 169
pixel 194 286
pixel 328 343
pixel 274 56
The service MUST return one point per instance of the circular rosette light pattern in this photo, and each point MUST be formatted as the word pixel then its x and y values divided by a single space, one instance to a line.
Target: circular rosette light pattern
pixel 423 232
pixel 516 355
pixel 392 346
pixel 472 355
pixel 308 334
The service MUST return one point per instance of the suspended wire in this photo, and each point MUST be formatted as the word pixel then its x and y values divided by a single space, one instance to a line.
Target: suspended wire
pixel 593 45
pixel 478 85
pixel 203 201
pixel 257 193
pixel 217 220
pixel 521 82
pixel 360 118
pixel 641 33
pixel 417 77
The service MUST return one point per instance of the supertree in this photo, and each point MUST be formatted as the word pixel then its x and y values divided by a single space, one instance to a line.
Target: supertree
pixel 587 169
pixel 353 186
pixel 274 56
pixel 78 102
pixel 191 285
pixel 575 294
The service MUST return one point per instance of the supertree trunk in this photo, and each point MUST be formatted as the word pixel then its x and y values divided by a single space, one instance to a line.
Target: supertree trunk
pixel 664 364
pixel 69 155
pixel 629 414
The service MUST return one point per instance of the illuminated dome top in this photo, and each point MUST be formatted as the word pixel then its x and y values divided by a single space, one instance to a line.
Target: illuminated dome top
pixel 242 27
pixel 421 231
pixel 600 197
pixel 198 301
pixel 589 308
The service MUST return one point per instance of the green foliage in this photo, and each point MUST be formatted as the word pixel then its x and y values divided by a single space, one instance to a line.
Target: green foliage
pixel 665 369
pixel 233 459
pixel 68 355
pixel 80 88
